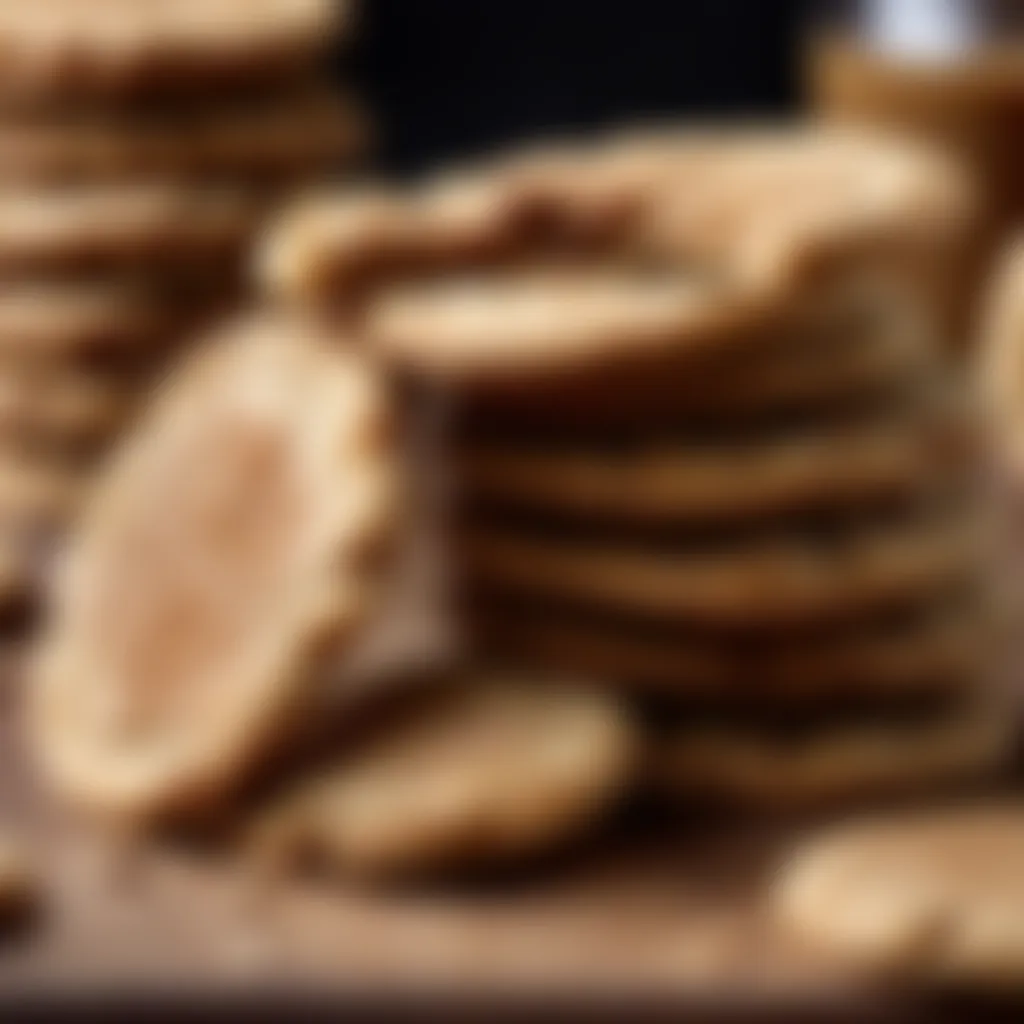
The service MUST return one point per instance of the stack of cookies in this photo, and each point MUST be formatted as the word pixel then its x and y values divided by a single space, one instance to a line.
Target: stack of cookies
pixel 140 144
pixel 706 449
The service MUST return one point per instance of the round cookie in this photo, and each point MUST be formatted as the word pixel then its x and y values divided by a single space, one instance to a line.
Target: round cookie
pixel 937 650
pixel 121 228
pixel 232 542
pixel 488 770
pixel 267 139
pixel 103 50
pixel 694 256
pixel 744 766
pixel 272 139
pixel 932 895
pixel 64 324
pixel 759 584
pixel 1002 359
pixel 662 481
pixel 45 405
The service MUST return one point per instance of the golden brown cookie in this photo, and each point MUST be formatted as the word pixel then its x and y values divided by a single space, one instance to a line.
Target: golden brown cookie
pixel 45 404
pixel 699 241
pixel 489 770
pixel 934 649
pixel 122 228
pixel 277 138
pixel 661 480
pixel 760 584
pixel 932 895
pixel 63 324
pixel 1001 359
pixel 66 50
pixel 754 766
pixel 233 540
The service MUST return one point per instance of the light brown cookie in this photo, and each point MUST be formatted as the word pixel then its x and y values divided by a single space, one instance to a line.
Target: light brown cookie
pixel 934 895
pixel 1001 359
pixel 279 138
pixel 37 495
pixel 121 228
pixel 747 766
pixel 666 480
pixel 490 770
pixel 766 583
pixel 47 404
pixel 721 238
pixel 62 324
pixel 234 538
pixel 70 51
pixel 935 650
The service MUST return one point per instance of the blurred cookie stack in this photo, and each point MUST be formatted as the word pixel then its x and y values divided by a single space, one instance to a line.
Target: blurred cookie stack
pixel 140 145
pixel 706 446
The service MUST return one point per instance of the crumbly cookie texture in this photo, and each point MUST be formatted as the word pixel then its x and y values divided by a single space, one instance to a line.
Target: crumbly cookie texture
pixel 934 895
pixel 767 583
pixel 845 762
pixel 104 49
pixel 487 770
pixel 234 539
pixel 937 651
pixel 290 137
pixel 635 249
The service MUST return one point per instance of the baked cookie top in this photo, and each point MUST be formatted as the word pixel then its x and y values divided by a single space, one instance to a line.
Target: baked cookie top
pixel 235 534
pixel 70 51
pixel 933 895
pixel 488 768
pixel 557 261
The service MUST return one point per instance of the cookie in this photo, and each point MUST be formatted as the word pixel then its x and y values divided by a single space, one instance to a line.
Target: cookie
pixel 53 405
pixel 37 495
pixel 931 896
pixel 693 261
pixel 67 51
pixel 664 480
pixel 275 138
pixel 1002 357
pixel 842 761
pixel 234 539
pixel 488 771
pixel 127 229
pixel 934 649
pixel 761 584
pixel 79 324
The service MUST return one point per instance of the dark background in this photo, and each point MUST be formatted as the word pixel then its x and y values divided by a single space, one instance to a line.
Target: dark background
pixel 451 78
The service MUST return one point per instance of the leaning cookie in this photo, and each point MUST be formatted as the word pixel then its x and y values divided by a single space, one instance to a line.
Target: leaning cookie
pixel 488 771
pixel 932 896
pixel 67 51
pixel 234 540
pixel 759 584
pixel 743 766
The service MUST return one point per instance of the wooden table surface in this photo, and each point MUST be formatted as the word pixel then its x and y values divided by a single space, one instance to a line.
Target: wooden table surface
pixel 653 916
